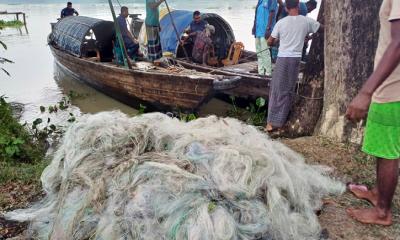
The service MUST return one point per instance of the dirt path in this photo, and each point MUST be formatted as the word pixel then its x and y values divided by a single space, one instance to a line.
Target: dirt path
pixel 15 196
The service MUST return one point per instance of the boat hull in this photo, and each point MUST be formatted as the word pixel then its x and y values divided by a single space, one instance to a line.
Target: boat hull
pixel 251 85
pixel 159 90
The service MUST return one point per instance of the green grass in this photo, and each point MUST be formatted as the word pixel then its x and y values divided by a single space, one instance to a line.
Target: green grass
pixel 13 23
pixel 21 157
pixel 26 173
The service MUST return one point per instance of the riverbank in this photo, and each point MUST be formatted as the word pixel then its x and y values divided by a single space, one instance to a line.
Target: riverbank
pixel 348 163
pixel 21 164
pixel 21 154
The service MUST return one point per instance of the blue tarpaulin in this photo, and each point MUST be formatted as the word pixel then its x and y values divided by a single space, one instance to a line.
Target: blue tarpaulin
pixel 222 39
pixel 169 40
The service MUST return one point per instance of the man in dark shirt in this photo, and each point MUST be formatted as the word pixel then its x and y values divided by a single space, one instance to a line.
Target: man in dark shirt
pixel 196 26
pixel 131 44
pixel 69 11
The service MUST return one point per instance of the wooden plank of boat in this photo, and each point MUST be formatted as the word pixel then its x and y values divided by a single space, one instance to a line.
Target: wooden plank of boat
pixel 247 67
pixel 161 90
pixel 251 86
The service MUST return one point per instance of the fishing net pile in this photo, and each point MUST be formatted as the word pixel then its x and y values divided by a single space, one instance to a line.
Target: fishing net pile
pixel 154 177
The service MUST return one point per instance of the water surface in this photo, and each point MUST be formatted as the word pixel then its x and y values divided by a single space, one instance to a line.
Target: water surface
pixel 36 81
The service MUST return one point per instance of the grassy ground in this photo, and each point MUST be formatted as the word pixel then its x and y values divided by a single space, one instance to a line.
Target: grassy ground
pixel 13 23
pixel 21 164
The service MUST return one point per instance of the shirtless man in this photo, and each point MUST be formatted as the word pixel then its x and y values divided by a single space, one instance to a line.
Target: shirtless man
pixel 380 95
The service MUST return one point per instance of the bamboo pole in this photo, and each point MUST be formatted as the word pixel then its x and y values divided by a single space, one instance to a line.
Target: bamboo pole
pixel 176 30
pixel 127 62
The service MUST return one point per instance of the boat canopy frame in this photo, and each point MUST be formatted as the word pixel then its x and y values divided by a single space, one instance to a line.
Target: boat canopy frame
pixel 73 34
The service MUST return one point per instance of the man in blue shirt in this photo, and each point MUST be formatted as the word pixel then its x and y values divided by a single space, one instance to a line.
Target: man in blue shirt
pixel 131 44
pixel 196 26
pixel 264 21
pixel 152 22
pixel 68 11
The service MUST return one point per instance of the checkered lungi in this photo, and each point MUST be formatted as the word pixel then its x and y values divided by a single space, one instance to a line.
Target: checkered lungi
pixel 153 43
pixel 284 79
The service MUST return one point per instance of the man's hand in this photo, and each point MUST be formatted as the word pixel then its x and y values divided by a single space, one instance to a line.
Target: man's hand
pixel 358 108
pixel 267 33
pixel 271 41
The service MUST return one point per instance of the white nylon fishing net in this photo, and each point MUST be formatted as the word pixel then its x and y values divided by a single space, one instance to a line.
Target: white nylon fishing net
pixel 154 177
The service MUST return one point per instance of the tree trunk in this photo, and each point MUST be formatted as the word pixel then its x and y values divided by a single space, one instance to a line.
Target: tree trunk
pixel 309 98
pixel 351 37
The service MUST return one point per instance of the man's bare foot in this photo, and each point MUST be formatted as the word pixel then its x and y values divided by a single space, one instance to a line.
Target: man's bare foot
pixel 362 192
pixel 269 127
pixel 371 216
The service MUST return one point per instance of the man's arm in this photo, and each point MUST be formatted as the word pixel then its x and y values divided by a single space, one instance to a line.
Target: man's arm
pixel 76 12
pixel 62 13
pixel 272 9
pixel 358 108
pixel 269 25
pixel 274 35
pixel 128 33
pixel 131 36
pixel 156 4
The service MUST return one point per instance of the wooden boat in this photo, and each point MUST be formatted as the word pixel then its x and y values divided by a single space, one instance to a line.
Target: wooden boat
pixel 252 84
pixel 83 47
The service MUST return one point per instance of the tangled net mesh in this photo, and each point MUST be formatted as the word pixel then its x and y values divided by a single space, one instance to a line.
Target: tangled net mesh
pixel 154 177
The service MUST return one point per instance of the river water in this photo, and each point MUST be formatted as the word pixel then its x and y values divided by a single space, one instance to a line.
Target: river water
pixel 36 81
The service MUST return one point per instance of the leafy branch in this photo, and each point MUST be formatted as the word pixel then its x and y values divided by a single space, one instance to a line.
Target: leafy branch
pixel 4 60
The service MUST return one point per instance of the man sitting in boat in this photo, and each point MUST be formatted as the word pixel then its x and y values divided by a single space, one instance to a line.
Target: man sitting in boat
pixel 69 11
pixel 203 45
pixel 131 44
pixel 196 26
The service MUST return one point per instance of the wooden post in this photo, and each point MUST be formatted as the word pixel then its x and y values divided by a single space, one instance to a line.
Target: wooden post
pixel 17 14
pixel 176 30
pixel 24 18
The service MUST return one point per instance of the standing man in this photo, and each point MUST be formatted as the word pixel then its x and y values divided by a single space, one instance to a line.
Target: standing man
pixel 304 8
pixel 264 21
pixel 381 95
pixel 153 29
pixel 196 26
pixel 291 32
pixel 68 11
pixel 131 44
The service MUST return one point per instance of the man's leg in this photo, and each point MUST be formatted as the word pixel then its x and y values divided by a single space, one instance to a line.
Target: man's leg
pixel 278 95
pixel 388 172
pixel 205 55
pixel 266 56
pixel 381 140
pixel 261 70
